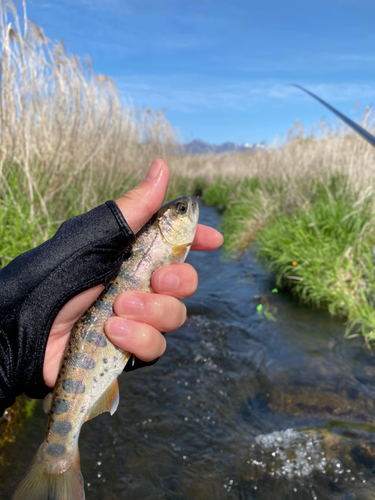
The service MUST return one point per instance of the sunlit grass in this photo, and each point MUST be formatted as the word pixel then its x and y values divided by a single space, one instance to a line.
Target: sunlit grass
pixel 323 252
pixel 319 244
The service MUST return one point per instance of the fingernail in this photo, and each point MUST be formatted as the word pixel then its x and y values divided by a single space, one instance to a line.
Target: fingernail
pixel 169 281
pixel 131 305
pixel 153 171
pixel 119 327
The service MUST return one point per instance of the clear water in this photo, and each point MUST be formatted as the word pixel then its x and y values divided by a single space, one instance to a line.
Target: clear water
pixel 239 407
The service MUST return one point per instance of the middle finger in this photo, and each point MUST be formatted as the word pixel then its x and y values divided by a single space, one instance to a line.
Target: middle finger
pixel 177 280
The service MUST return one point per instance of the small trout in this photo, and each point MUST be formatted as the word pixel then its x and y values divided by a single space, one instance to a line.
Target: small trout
pixel 87 383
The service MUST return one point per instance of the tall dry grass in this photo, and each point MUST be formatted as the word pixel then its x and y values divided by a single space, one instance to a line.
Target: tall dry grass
pixel 298 158
pixel 287 173
pixel 67 138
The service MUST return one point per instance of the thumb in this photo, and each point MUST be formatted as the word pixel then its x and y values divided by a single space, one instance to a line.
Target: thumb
pixel 139 204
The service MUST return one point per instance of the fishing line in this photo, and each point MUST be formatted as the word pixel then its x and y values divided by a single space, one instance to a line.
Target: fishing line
pixel 228 336
pixel 205 360
pixel 218 347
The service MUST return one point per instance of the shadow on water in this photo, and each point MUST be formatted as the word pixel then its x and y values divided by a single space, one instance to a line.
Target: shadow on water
pixel 240 407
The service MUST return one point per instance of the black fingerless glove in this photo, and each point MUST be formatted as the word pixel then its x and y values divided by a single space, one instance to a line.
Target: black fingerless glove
pixel 86 251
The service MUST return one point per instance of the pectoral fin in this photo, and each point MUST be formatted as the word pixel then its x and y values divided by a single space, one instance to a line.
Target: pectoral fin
pixel 108 401
pixel 180 251
pixel 47 403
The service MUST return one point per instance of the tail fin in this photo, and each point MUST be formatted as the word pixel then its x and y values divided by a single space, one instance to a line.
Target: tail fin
pixel 41 485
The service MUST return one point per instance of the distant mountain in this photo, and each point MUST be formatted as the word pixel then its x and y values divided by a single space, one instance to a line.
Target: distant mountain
pixel 198 147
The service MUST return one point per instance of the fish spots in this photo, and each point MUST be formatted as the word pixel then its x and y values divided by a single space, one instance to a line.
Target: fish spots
pixel 113 290
pixel 95 379
pixel 78 360
pixel 61 406
pixel 124 273
pixel 55 450
pixel 61 427
pixel 105 360
pixel 102 374
pixel 103 307
pixel 89 319
pixel 94 338
pixel 73 386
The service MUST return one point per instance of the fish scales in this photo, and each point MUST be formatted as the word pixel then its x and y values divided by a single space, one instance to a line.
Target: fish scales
pixel 87 381
pixel 106 361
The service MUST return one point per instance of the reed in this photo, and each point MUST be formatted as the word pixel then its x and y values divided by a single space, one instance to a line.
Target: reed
pixel 68 140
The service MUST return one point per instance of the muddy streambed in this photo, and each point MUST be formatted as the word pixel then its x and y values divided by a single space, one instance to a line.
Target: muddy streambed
pixel 240 407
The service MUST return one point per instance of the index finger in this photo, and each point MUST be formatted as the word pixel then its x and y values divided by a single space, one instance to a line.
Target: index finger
pixel 207 238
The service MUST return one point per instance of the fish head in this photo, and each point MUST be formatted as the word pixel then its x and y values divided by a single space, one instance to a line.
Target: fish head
pixel 177 222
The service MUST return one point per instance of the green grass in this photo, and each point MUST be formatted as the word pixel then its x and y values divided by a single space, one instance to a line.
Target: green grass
pixel 17 231
pixel 321 253
pixel 242 203
pixel 319 247
pixel 20 228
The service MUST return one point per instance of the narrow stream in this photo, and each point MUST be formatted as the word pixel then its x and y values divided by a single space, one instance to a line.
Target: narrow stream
pixel 245 404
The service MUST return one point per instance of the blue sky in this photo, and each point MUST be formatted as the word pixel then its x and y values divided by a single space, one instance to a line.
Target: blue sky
pixel 221 69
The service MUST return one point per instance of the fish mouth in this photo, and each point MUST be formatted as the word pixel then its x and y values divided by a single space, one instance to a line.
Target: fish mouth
pixel 194 208
pixel 194 214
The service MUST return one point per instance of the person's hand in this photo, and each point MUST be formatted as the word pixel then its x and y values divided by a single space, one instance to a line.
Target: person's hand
pixel 140 316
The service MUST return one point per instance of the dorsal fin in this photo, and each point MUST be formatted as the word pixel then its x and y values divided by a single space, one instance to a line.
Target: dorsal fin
pixel 354 126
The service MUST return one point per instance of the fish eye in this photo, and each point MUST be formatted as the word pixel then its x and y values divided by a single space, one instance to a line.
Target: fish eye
pixel 181 207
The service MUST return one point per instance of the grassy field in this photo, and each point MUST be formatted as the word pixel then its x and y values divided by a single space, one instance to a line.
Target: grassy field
pixel 69 141
pixel 309 207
